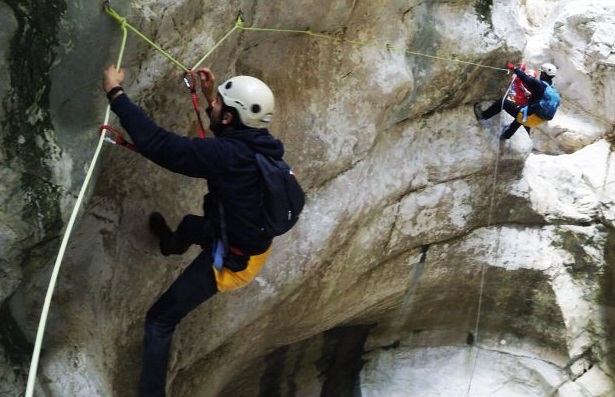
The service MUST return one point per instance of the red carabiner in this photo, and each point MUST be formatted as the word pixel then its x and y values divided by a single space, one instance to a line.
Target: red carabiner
pixel 115 137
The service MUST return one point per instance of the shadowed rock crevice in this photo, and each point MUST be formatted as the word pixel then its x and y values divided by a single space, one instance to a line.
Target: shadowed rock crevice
pixel 14 342
pixel 334 358
pixel 341 363
pixel 28 126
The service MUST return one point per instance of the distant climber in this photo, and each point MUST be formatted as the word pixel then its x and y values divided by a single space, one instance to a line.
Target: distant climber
pixel 541 105
pixel 519 93
pixel 238 113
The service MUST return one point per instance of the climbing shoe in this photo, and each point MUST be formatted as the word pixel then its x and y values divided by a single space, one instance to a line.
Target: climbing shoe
pixel 478 113
pixel 158 226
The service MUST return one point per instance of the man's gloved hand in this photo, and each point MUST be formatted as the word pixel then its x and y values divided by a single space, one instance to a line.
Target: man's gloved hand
pixel 510 65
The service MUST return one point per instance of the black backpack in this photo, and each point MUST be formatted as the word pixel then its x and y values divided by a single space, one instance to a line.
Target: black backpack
pixel 283 198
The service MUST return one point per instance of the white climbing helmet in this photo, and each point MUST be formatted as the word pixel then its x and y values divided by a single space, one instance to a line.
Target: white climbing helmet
pixel 251 97
pixel 549 69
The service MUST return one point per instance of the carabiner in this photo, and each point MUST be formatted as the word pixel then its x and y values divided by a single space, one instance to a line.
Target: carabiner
pixel 113 136
pixel 190 84
pixel 109 133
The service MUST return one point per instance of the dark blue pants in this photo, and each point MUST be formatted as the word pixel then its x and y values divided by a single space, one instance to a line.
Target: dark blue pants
pixel 194 286
pixel 511 108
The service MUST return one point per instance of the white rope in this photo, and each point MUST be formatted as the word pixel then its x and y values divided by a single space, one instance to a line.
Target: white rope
pixel 482 273
pixel 56 268
pixel 69 228
pixel 497 244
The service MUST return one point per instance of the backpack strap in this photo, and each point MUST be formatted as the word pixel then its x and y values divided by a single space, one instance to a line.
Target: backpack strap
pixel 243 220
pixel 220 246
pixel 524 113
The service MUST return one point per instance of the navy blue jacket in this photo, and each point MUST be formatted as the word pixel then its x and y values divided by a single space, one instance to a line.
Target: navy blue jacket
pixel 536 86
pixel 227 163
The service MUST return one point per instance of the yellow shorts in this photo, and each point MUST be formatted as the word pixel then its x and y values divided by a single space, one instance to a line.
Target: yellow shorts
pixel 229 280
pixel 531 121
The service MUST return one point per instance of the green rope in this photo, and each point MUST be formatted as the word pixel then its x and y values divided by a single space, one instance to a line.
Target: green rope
pixel 214 47
pixel 364 43
pixel 240 26
pixel 125 24
pixel 123 44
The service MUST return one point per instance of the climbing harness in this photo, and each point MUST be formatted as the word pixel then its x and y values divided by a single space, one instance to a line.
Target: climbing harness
pixel 112 136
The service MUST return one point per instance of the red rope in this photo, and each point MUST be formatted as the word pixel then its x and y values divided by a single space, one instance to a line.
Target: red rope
pixel 190 80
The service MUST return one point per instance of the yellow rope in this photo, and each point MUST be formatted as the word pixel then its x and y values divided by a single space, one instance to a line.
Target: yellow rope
pixel 240 26
pixel 214 47
pixel 122 21
pixel 365 43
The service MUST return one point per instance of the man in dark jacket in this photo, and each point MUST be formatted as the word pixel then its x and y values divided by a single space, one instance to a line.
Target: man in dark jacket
pixel 232 253
pixel 537 89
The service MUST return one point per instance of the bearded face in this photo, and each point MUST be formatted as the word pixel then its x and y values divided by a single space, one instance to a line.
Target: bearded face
pixel 215 117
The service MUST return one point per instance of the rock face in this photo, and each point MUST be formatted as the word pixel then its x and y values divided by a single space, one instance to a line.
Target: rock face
pixel 430 260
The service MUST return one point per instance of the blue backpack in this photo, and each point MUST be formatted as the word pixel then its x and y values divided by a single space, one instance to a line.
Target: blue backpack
pixel 549 103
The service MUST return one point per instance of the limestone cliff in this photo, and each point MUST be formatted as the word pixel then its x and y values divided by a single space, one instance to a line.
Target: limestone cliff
pixel 430 259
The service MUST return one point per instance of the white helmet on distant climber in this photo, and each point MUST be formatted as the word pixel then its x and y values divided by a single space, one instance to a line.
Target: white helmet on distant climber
pixel 252 99
pixel 549 69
